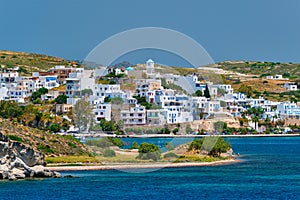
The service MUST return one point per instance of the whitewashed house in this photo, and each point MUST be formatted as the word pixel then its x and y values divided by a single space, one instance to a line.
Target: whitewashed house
pixel 102 111
pixel 290 86
pixel 134 116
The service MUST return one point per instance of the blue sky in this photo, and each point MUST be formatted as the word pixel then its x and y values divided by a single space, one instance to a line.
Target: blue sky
pixel 263 30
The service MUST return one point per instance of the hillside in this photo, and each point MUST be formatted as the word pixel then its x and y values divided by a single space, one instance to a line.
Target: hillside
pixel 49 144
pixel 290 70
pixel 29 62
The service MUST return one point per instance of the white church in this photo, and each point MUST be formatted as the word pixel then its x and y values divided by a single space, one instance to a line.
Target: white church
pixel 150 71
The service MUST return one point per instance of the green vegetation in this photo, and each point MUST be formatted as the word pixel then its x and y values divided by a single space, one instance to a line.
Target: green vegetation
pixel 214 148
pixel 29 62
pixel 71 159
pixel 15 138
pixel 288 70
pixel 149 151
pixel 109 153
pixel 83 115
pixel 219 126
pixel 246 89
pixel 45 149
pixel 48 143
pixel 105 142
pixel 175 130
pixel 143 102
pixel 198 93
pixel 169 146
pixel 35 96
pixel 135 145
pixel 61 99
pixel 206 92
pixel 54 128
pixel 171 155
pixel 86 92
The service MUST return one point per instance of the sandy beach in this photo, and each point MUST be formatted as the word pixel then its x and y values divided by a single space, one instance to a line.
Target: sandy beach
pixel 141 166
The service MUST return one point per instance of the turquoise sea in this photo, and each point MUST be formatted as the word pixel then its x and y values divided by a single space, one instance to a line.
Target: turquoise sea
pixel 270 169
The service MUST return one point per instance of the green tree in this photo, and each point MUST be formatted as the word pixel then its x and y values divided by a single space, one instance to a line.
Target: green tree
pixel 206 92
pixel 198 93
pixel 255 120
pixel 10 109
pixel 221 146
pixel 175 130
pixel 82 115
pixel 108 125
pixel 166 131
pixel 169 146
pixel 37 95
pixel 107 99
pixel 54 127
pixel 43 90
pixel 86 92
pixel 135 145
pixel 188 129
pixel 196 144
pixel 219 126
pixel 149 151
pixel 61 99
pixel 246 89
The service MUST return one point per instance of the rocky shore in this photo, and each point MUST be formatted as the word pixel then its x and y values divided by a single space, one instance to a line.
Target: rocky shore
pixel 19 161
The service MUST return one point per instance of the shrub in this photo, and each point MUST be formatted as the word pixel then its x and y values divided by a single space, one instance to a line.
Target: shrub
pixel 15 138
pixel 45 149
pixel 135 145
pixel 54 128
pixel 116 141
pixel 149 151
pixel 72 145
pixel 109 153
pixel 169 146
pixel 171 155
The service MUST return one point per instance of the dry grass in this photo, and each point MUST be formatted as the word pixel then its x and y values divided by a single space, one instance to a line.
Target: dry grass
pixel 259 85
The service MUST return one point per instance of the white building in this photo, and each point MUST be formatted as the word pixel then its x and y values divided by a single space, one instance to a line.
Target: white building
pixel 150 70
pixel 102 111
pixel 156 117
pixel 288 109
pixel 227 88
pixel 107 90
pixel 291 86
pixel 3 92
pixel 211 107
pixel 134 116
pixel 78 81
pixel 142 86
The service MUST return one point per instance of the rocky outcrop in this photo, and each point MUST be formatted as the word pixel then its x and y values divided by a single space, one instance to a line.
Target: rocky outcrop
pixel 18 161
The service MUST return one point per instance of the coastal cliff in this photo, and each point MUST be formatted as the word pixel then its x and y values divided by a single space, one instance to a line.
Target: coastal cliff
pixel 19 161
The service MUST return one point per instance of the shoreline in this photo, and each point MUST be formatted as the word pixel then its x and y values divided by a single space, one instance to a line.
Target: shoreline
pixel 141 166
pixel 92 135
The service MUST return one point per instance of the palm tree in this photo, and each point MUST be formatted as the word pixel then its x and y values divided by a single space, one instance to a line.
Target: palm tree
pixel 255 119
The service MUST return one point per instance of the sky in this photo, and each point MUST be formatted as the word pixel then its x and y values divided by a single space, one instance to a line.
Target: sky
pixel 256 30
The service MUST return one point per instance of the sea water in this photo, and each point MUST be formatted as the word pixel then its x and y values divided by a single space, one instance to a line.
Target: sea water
pixel 270 169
